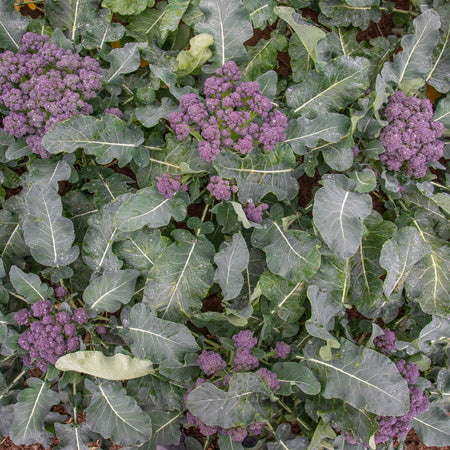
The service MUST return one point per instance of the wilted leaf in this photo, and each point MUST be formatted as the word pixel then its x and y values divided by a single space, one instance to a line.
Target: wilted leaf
pixel 116 367
pixel 197 55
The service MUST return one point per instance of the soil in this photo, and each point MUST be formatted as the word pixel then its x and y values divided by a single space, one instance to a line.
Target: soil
pixel 306 185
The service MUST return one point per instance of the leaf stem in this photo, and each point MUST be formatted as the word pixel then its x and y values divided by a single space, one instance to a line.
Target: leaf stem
pixel 13 383
pixel 401 11
pixel 205 211
pixel 74 390
pixel 18 296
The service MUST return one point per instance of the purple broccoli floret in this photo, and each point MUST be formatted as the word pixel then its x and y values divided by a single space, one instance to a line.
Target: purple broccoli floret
pixel 220 189
pixel 211 362
pixel 169 185
pixel 412 136
pixel 41 308
pixel 60 292
pixel 114 111
pixel 244 360
pixel 22 317
pixel 386 342
pixel 245 339
pixel 100 330
pixel 43 84
pixel 255 213
pixel 282 350
pixel 80 316
pixel 409 371
pixel 237 434
pixel 270 378
pixel 256 428
pixel 233 115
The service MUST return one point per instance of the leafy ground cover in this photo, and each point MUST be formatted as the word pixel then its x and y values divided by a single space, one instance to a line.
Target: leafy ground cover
pixel 224 225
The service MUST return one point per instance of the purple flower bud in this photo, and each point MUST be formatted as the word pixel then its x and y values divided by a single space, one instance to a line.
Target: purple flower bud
pixel 270 378
pixel 244 360
pixel 386 342
pixel 60 292
pixel 100 330
pixel 245 339
pixel 22 317
pixel 211 362
pixel 282 350
pixel 169 185
pixel 80 316
pixel 41 308
pixel 255 213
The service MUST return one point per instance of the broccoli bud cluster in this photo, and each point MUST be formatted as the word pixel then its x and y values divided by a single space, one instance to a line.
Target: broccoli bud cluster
pixel 43 84
pixel 50 334
pixel 212 364
pixel 412 136
pixel 234 115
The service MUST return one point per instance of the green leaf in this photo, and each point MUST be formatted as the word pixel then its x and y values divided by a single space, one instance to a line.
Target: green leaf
pixel 268 84
pixel 323 312
pixel 231 261
pixel 342 82
pixel 294 375
pixel 153 338
pixel 117 367
pixel 48 234
pixel 99 237
pixel 366 287
pixel 33 405
pixel 72 437
pixel 350 376
pixel 341 13
pixel 338 215
pixel 437 330
pixel 442 112
pixel 181 277
pixel 226 443
pixel 229 24
pixel 438 76
pixel 114 414
pixel 301 62
pixel 110 290
pixel 398 256
pixel 243 403
pixel 127 7
pixel 197 55
pixel 414 61
pixel 141 248
pixel 308 34
pixel 366 180
pixel 166 426
pixel 292 254
pixel 428 283
pixel 173 13
pixel 149 207
pixel 29 285
pixel 150 115
pixel 106 138
pixel 263 56
pixel 12 245
pixel 433 427
pixel 260 173
pixel 70 15
pixel 285 298
pixel 98 30
pixel 48 173
pixel 303 133
pixel 12 27
pixel 146 25
pixel 261 12
pixel 122 60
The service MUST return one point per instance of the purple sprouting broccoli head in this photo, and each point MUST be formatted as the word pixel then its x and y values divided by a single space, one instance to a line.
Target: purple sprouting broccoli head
pixel 411 138
pixel 221 189
pixel 237 434
pixel 270 378
pixel 255 213
pixel 211 363
pixel 245 339
pixel 169 185
pixel 43 84
pixel 386 342
pixel 282 350
pixel 234 115
pixel 256 428
pixel 244 360
pixel 114 111
pixel 50 334
pixel 60 292
pixel 409 371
